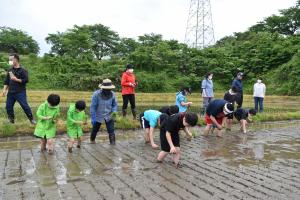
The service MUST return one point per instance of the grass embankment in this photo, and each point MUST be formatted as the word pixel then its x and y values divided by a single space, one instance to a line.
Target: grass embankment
pixel 276 108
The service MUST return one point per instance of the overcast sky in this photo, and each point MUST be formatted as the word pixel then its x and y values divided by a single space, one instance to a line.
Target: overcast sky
pixel 131 18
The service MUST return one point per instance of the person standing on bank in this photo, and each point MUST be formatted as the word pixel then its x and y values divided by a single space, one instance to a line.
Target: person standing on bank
pixel 128 84
pixel 104 108
pixel 15 89
pixel 207 91
pixel 237 83
pixel 259 92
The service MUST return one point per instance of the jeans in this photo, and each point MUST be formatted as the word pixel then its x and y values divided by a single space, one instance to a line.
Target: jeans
pixel 109 126
pixel 259 101
pixel 206 101
pixel 21 98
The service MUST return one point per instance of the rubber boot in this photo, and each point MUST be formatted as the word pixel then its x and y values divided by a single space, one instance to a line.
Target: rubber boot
pixel 112 139
pixel 124 112
pixel 11 119
pixel 133 113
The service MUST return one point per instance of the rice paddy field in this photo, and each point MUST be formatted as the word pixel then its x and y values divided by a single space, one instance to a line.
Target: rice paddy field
pixel 276 108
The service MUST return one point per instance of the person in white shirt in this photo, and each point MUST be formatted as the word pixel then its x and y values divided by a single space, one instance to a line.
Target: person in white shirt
pixel 259 91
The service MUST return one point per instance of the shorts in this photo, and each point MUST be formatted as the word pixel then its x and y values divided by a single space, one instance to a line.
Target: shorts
pixel 164 142
pixel 209 122
pixel 144 123
pixel 240 115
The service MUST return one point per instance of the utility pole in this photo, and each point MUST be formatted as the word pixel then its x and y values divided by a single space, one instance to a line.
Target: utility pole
pixel 199 30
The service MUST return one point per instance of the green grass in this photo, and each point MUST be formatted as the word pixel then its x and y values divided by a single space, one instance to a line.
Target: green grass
pixel 276 108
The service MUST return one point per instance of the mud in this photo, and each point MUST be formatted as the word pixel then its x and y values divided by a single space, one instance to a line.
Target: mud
pixel 263 164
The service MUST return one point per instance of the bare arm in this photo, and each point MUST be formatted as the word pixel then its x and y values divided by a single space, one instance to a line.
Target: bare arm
pixel 213 119
pixel 187 131
pixel 169 139
pixel 185 103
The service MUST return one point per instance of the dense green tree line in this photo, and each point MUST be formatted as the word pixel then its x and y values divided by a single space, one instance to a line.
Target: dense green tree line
pixel 82 56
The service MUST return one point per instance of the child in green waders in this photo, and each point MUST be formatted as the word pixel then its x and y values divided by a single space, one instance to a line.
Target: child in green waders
pixel 76 118
pixel 47 115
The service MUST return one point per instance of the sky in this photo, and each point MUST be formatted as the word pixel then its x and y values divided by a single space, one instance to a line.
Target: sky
pixel 131 18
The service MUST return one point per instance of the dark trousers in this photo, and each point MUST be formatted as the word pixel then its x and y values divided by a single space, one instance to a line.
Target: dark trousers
pixel 259 101
pixel 239 99
pixel 131 99
pixel 22 100
pixel 110 126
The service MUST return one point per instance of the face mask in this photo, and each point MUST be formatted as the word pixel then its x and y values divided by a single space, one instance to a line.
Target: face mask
pixel 106 92
pixel 210 77
pixel 10 62
pixel 130 70
pixel 259 81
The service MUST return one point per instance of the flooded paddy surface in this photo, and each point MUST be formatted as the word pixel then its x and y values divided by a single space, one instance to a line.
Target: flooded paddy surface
pixel 263 164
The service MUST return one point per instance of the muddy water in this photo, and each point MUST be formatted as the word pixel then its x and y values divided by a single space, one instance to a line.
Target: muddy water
pixel 263 144
pixel 24 167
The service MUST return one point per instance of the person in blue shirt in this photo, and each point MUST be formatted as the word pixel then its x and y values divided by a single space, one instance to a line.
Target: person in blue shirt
pixel 237 83
pixel 181 100
pixel 103 109
pixel 149 120
pixel 207 87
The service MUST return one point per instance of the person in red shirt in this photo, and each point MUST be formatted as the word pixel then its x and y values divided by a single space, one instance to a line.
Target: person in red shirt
pixel 128 84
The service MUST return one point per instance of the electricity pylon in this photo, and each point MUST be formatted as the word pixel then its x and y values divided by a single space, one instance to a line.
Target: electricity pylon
pixel 199 30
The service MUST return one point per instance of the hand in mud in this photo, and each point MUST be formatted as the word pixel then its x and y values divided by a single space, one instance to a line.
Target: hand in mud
pixel 189 136
pixel 173 150
pixel 219 127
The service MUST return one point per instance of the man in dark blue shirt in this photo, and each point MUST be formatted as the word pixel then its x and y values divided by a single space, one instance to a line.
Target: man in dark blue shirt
pixel 237 82
pixel 15 89
pixel 216 112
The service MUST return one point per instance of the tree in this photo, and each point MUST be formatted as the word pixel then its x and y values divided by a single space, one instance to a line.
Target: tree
pixel 17 41
pixel 126 46
pixel 95 40
pixel 104 40
pixel 150 39
pixel 286 23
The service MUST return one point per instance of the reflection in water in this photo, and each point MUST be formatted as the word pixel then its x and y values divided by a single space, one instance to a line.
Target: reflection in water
pixel 258 150
pixel 258 147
